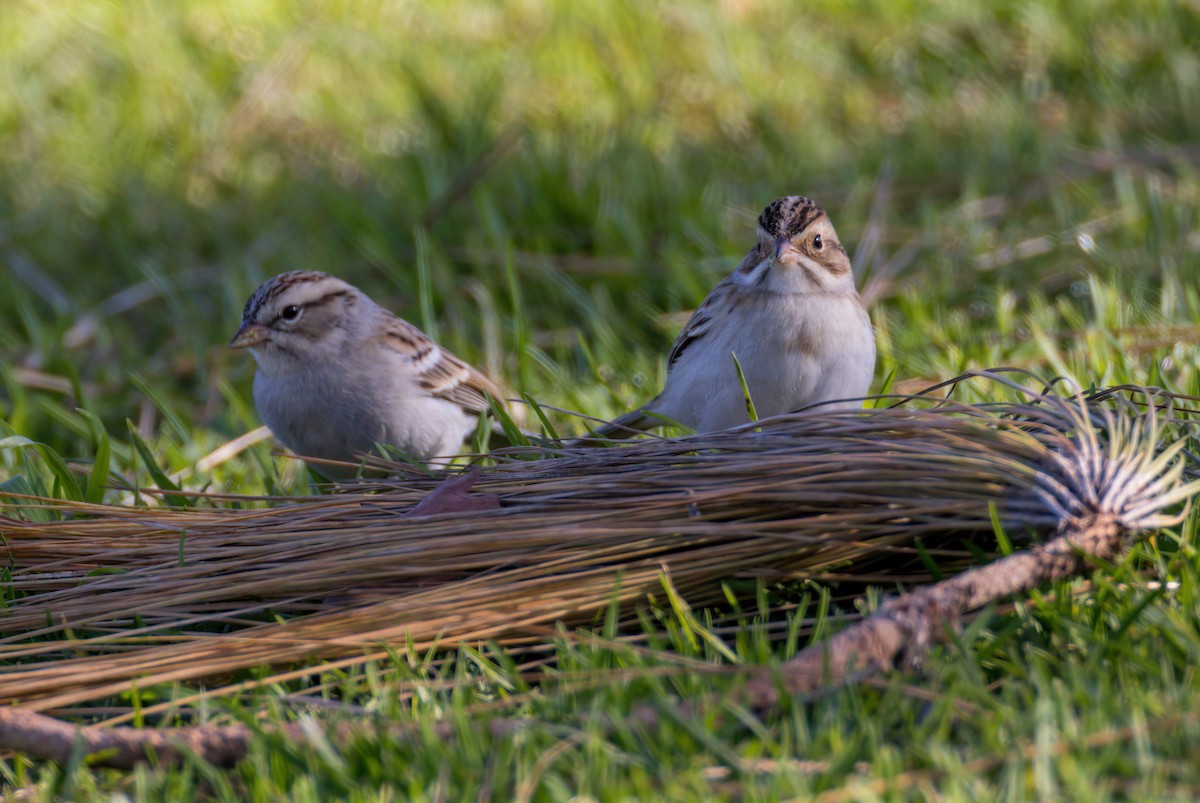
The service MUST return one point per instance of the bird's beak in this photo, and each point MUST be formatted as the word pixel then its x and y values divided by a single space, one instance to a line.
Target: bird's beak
pixel 782 246
pixel 248 336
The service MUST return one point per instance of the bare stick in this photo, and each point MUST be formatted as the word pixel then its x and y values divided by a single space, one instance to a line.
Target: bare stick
pixel 904 628
pixel 44 737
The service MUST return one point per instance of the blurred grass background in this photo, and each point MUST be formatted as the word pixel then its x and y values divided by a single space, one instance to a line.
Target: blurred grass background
pixel 548 187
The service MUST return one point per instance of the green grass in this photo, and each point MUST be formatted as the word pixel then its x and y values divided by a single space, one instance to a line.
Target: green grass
pixel 572 177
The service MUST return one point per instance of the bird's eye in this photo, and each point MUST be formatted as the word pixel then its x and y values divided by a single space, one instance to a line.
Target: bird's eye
pixel 818 243
pixel 290 314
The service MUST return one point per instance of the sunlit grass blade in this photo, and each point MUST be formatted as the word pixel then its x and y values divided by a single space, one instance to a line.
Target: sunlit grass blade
pixel 159 476
pixel 64 484
pixel 750 409
pixel 97 482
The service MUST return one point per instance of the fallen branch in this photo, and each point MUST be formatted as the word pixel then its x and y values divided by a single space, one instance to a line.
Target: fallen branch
pixel 1104 493
pixel 43 737
pixel 40 736
pixel 1108 481
pixel 904 628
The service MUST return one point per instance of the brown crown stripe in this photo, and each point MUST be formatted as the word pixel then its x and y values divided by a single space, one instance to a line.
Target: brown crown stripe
pixel 281 283
pixel 789 216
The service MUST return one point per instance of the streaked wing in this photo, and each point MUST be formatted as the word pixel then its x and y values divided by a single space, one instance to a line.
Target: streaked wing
pixel 439 372
pixel 702 320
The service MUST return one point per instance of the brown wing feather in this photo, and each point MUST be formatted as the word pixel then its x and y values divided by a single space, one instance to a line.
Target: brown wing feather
pixel 439 372
pixel 697 327
pixel 701 321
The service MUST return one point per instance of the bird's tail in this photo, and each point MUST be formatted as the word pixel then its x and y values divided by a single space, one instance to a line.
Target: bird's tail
pixel 626 426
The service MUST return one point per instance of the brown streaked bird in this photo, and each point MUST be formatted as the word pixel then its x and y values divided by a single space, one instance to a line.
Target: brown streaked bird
pixel 338 374
pixel 791 315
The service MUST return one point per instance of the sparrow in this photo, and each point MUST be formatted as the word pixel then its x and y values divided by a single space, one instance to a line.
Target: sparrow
pixel 337 374
pixel 790 316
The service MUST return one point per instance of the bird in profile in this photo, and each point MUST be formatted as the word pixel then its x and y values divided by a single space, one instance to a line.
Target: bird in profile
pixel 338 374
pixel 789 316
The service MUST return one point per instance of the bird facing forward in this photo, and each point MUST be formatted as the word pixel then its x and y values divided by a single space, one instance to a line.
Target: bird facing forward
pixel 338 374
pixel 790 315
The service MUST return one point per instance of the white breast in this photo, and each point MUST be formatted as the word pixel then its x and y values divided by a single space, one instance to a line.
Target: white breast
pixel 794 350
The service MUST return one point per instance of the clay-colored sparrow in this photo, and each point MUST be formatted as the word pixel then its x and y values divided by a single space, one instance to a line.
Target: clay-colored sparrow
pixel 790 314
pixel 338 374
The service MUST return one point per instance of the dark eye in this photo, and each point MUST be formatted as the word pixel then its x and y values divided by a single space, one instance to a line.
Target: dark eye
pixel 818 243
pixel 291 313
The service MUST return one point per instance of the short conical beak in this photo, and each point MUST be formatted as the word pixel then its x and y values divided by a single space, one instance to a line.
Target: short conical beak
pixel 781 245
pixel 248 336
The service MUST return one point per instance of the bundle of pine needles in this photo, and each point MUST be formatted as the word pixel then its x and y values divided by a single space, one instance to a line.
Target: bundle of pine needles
pixel 114 595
